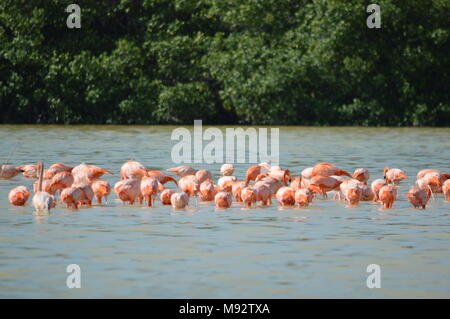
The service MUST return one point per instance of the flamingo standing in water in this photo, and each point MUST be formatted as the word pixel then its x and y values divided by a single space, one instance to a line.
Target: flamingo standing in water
pixel 149 188
pixel 418 197
pixel 101 189
pixel 236 190
pixel 165 196
pixel 249 196
pixel 128 190
pixel 18 196
pixel 303 197
pixel 376 186
pixel 71 196
pixel 387 195
pixel 42 201
pixel 352 194
pixel 362 175
pixel 227 169
pixel 207 191
pixel 263 193
pixel 189 184
pixel 9 171
pixel 223 200
pixel 179 200
pixel 132 170
pixel 29 171
pixel 394 175
pixel 324 184
pixel 285 196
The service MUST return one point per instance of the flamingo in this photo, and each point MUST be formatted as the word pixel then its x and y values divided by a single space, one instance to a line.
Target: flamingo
pixel 254 171
pixel 92 172
pixel 18 196
pixel 149 188
pixel 128 190
pixel 263 193
pixel 207 191
pixel 394 175
pixel 9 171
pixel 223 200
pixel 249 196
pixel 29 171
pixel 424 172
pixel 283 175
pixel 202 175
pixel 101 189
pixel 285 196
pixel 182 171
pixel 431 182
pixel 273 183
pixel 352 194
pixel 324 184
pixel 179 200
pixel 189 184
pixel 366 193
pixel 387 195
pixel 303 197
pixel 42 201
pixel 225 183
pixel 376 186
pixel 60 181
pixel 56 168
pixel 165 196
pixel 71 196
pixel 327 169
pixel 132 170
pixel 227 169
pixel 362 175
pixel 418 197
pixel 236 190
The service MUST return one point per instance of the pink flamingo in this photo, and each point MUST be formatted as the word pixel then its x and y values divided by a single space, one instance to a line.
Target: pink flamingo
pixel 18 196
pixel 179 200
pixel 165 196
pixel 249 196
pixel 303 197
pixel 101 189
pixel 42 201
pixel 223 200
pixel 149 188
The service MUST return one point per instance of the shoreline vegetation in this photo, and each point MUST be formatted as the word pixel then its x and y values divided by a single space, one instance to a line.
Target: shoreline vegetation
pixel 284 63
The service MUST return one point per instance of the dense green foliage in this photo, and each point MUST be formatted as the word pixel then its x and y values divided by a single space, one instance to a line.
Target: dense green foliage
pixel 225 61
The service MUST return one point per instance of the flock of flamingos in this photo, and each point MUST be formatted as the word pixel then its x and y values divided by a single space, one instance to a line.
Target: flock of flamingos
pixel 77 186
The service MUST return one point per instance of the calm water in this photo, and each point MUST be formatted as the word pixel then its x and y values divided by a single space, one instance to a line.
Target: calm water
pixel 322 251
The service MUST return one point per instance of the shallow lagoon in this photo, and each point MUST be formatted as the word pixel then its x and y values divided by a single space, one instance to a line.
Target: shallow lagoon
pixel 322 251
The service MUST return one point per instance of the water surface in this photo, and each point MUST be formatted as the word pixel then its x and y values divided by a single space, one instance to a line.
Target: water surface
pixel 321 251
